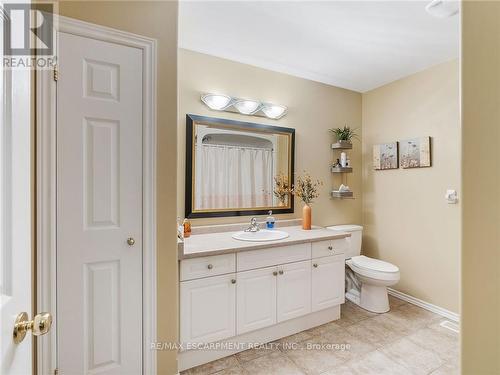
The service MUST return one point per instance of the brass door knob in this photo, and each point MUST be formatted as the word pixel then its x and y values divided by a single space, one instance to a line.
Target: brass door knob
pixel 130 241
pixel 275 273
pixel 330 248
pixel 233 281
pixel 40 325
pixel 280 272
pixel 315 265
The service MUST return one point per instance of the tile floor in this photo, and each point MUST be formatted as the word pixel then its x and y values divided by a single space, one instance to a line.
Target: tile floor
pixel 406 340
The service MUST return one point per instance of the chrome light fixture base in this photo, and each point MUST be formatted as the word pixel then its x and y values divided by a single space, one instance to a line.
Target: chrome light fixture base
pixel 218 102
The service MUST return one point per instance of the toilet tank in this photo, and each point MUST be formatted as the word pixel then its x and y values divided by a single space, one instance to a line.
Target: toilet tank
pixel 354 241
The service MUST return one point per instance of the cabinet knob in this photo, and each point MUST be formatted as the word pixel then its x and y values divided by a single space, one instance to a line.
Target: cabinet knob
pixel 275 273
pixel 210 266
pixel 281 272
pixel 233 281
pixel 330 248
pixel 130 241
pixel 315 265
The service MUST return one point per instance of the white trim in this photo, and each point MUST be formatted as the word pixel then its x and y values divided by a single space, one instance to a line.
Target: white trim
pixel 46 177
pixel 425 305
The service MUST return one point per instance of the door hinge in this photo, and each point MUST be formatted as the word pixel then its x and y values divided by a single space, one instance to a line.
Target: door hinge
pixel 56 77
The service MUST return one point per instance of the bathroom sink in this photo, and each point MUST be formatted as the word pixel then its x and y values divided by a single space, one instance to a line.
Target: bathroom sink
pixel 261 235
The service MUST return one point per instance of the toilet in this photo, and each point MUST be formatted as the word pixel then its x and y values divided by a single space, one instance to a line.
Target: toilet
pixel 367 278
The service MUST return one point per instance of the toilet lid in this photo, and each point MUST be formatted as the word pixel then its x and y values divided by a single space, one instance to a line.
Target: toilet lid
pixel 362 261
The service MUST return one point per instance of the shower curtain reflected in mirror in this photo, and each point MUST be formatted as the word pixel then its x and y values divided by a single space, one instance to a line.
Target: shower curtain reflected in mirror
pixel 234 176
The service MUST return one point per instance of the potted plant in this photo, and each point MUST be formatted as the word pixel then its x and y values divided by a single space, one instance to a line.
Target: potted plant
pixel 344 135
pixel 282 189
pixel 307 190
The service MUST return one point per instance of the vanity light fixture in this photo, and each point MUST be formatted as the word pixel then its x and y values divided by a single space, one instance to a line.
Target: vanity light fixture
pixel 247 107
pixel 220 102
pixel 216 101
pixel 274 111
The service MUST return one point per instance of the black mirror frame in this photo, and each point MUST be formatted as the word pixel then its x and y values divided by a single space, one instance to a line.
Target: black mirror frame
pixel 188 191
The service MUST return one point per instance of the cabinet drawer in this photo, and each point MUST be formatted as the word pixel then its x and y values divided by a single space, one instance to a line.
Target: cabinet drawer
pixel 273 256
pixel 329 247
pixel 196 268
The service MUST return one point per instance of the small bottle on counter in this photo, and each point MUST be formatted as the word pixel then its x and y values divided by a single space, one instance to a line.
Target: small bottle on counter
pixel 180 228
pixel 270 221
pixel 186 224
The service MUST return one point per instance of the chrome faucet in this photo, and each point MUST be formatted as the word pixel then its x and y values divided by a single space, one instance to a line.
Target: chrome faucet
pixel 254 226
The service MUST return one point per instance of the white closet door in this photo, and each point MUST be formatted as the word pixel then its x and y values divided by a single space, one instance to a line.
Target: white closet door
pixel 99 206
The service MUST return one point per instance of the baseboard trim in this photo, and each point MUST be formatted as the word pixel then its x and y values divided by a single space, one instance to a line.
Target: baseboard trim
pixel 425 305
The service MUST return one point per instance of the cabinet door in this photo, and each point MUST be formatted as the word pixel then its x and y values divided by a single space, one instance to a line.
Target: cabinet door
pixel 208 309
pixel 327 282
pixel 294 290
pixel 256 299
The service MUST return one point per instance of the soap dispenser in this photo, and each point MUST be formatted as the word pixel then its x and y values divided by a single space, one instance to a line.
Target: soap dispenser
pixel 270 221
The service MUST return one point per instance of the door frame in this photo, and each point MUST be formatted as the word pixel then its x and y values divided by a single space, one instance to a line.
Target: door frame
pixel 46 189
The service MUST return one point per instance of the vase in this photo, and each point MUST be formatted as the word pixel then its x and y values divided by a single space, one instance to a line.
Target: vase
pixel 306 217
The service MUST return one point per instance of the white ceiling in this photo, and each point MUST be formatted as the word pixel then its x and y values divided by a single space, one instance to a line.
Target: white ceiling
pixel 351 44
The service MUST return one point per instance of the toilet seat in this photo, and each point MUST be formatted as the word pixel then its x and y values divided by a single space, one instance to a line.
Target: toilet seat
pixel 373 268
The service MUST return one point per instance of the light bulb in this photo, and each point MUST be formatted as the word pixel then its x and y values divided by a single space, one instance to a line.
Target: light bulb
pixel 274 111
pixel 215 101
pixel 247 107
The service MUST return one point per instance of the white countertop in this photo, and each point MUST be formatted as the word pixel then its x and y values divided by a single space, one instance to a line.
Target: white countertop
pixel 200 245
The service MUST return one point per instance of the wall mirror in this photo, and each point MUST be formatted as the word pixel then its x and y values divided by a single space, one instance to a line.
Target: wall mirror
pixel 232 167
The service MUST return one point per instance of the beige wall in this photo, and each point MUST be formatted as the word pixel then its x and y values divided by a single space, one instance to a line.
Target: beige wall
pixel 157 20
pixel 480 309
pixel 313 109
pixel 406 218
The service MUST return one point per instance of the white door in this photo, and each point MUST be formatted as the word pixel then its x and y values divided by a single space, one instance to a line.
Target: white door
pixel 208 309
pixel 15 218
pixel 255 299
pixel 99 207
pixel 327 282
pixel 294 290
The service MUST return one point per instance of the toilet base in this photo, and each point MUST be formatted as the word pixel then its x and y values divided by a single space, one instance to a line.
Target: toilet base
pixel 372 298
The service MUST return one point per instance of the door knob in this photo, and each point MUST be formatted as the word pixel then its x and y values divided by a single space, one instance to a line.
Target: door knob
pixel 40 325
pixel 330 248
pixel 315 265
pixel 275 273
pixel 280 272
pixel 130 241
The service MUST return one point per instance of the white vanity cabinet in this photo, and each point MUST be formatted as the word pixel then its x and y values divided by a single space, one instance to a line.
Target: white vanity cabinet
pixel 329 271
pixel 258 295
pixel 256 301
pixel 208 309
pixel 294 290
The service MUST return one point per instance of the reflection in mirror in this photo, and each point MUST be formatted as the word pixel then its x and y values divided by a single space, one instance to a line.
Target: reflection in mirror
pixel 237 168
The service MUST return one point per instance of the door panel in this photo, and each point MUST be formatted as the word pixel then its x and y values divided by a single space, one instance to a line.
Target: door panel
pixel 328 282
pixel 208 309
pixel 255 299
pixel 99 206
pixel 15 217
pixel 294 290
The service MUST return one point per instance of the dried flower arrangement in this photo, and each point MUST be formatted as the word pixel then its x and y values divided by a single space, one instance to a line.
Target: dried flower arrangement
pixel 282 188
pixel 307 189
